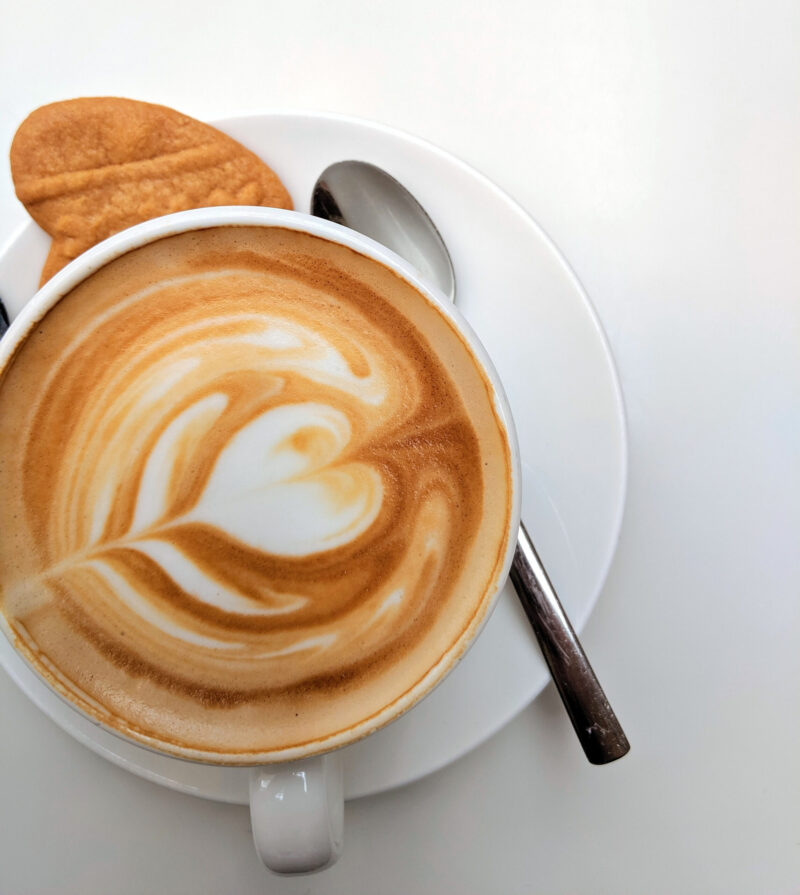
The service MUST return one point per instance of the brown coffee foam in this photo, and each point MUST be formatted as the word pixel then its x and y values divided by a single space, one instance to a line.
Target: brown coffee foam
pixel 438 448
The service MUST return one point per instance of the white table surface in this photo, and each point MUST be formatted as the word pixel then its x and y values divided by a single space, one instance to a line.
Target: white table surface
pixel 658 143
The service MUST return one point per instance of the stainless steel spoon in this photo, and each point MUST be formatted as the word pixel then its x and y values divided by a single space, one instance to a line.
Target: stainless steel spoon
pixel 365 198
pixel 3 318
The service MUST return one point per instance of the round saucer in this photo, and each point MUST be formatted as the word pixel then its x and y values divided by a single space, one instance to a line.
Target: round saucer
pixel 544 337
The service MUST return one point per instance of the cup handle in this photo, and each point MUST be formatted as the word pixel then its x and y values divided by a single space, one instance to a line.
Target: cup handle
pixel 297 813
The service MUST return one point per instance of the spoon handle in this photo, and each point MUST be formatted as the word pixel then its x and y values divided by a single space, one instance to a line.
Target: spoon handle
pixel 595 723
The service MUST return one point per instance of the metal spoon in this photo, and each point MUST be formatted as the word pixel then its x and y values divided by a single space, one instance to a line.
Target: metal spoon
pixel 3 318
pixel 365 198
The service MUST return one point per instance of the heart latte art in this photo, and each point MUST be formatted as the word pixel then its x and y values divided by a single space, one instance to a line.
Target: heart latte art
pixel 255 491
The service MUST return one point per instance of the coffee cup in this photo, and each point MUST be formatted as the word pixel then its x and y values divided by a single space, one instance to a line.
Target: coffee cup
pixel 261 493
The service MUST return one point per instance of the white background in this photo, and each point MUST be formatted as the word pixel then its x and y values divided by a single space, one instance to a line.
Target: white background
pixel 658 143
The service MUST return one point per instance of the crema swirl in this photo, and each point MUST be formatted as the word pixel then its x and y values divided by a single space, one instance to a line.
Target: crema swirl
pixel 255 489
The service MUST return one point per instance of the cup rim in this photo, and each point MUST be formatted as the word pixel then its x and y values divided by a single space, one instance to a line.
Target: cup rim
pixel 149 231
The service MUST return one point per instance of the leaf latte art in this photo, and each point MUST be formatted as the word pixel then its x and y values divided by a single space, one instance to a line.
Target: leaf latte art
pixel 255 489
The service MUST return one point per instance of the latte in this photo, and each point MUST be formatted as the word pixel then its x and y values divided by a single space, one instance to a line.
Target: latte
pixel 255 491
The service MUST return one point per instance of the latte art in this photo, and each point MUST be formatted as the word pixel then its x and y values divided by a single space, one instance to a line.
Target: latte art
pixel 255 488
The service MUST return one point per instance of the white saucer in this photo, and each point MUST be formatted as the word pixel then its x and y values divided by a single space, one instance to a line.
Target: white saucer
pixel 544 337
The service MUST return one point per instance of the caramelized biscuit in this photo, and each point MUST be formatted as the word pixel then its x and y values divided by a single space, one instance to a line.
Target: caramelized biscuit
pixel 87 168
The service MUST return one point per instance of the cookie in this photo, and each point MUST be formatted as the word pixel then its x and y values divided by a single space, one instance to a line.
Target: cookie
pixel 88 168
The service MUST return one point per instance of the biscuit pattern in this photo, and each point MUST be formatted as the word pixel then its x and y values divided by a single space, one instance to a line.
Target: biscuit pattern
pixel 88 168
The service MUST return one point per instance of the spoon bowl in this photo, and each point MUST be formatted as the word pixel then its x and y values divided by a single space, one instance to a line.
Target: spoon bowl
pixel 367 199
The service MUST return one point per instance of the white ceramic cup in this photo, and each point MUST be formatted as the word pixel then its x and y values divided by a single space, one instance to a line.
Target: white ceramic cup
pixel 296 804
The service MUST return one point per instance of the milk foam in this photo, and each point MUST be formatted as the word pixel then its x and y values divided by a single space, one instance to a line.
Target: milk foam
pixel 250 504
